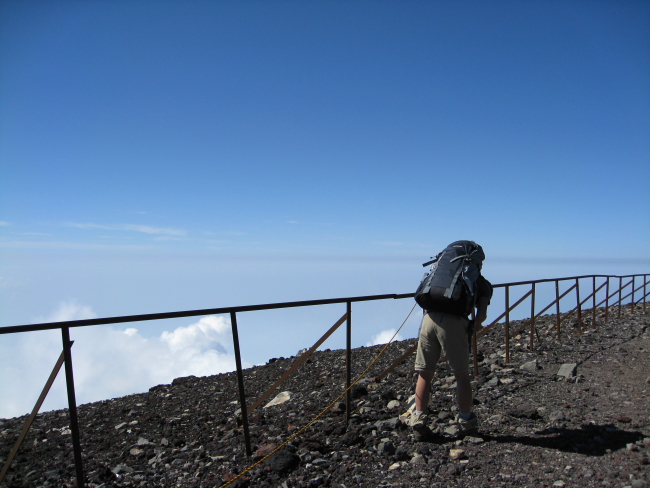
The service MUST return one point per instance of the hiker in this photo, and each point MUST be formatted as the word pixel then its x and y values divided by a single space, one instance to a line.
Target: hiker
pixel 447 302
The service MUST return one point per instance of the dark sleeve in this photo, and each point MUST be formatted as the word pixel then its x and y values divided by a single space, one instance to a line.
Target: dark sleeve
pixel 483 288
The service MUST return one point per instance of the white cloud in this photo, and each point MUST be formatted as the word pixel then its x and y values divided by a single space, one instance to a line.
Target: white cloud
pixel 69 311
pixel 383 337
pixel 3 223
pixel 146 229
pixel 108 362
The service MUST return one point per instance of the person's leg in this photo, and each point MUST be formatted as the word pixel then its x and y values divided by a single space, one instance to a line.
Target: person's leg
pixel 426 360
pixel 452 333
pixel 423 389
pixel 464 392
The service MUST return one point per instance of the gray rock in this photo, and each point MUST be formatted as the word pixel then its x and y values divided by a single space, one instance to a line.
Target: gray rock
pixel 142 441
pixel 639 483
pixel 387 448
pixel 394 404
pixel 418 459
pixel 390 424
pixel 283 461
pixel 567 370
pixel 452 430
pixel 122 469
pixel 493 383
pixel 530 366
pixel 320 462
pixel 557 416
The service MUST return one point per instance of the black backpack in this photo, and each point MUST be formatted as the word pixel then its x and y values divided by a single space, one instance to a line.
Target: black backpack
pixel 450 286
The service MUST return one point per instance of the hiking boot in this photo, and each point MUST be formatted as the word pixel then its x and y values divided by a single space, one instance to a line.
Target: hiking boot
pixel 469 426
pixel 418 422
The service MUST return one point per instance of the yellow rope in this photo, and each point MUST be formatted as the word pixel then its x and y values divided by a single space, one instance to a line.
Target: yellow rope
pixel 326 408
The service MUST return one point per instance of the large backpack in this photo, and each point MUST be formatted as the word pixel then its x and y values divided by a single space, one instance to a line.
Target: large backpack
pixel 450 285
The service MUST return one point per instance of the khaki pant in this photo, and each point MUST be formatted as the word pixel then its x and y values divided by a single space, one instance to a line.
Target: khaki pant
pixel 443 332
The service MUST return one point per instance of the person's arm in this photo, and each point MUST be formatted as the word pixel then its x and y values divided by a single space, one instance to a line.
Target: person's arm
pixel 484 296
pixel 481 312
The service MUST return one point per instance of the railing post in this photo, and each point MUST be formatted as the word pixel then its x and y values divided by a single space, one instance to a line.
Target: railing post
pixel 557 310
pixel 593 314
pixel 579 306
pixel 240 382
pixel 645 278
pixel 532 319
pixel 72 406
pixel 633 281
pixel 348 360
pixel 620 295
pixel 607 301
pixel 507 324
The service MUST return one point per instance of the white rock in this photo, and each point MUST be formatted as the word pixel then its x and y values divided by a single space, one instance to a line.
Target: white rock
pixel 417 459
pixel 530 366
pixel 285 396
pixel 457 453
pixel 567 370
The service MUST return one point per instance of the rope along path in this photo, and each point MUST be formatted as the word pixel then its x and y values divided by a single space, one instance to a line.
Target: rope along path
pixel 326 408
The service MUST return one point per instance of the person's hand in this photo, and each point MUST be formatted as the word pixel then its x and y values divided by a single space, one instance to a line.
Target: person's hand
pixel 481 313
pixel 478 322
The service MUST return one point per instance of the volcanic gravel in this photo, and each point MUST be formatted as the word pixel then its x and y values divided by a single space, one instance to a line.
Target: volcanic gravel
pixel 536 428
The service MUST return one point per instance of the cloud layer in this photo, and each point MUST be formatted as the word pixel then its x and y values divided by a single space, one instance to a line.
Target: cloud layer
pixel 146 229
pixel 383 337
pixel 108 362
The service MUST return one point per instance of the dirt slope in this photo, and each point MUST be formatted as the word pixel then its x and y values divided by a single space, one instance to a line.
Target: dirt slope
pixel 536 428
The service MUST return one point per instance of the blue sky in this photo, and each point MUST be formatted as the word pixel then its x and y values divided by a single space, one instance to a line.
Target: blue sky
pixel 159 156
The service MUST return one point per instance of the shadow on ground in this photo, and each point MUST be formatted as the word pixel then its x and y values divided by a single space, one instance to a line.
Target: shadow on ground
pixel 591 440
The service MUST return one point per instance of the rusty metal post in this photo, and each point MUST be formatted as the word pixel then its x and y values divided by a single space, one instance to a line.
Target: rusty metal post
pixel 607 301
pixel 532 319
pixel 72 406
pixel 557 310
pixel 579 307
pixel 620 295
pixel 240 382
pixel 593 315
pixel 348 360
pixel 645 278
pixel 633 277
pixel 507 324
pixel 30 419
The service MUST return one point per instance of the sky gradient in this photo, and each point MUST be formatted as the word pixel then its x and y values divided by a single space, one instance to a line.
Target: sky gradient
pixel 161 156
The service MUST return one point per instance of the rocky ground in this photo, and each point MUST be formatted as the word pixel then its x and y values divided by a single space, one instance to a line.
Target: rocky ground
pixel 537 428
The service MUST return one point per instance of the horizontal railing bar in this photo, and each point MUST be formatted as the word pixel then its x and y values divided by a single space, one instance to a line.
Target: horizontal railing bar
pixel 552 280
pixel 250 308
pixel 192 313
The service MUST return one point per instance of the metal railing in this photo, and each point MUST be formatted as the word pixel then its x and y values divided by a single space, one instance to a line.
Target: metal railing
pixel 66 355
